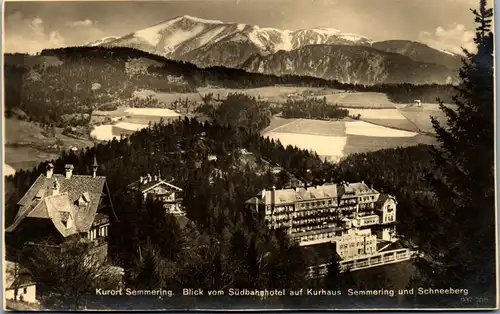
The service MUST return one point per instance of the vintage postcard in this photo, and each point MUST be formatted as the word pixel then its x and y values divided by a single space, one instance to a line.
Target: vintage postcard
pixel 249 155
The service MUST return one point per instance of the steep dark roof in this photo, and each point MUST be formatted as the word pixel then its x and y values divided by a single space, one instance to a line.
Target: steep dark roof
pixel 383 198
pixel 253 201
pixel 40 202
pixel 182 221
pixel 16 276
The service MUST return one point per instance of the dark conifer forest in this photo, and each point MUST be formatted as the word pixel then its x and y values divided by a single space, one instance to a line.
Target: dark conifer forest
pixel 225 244
pixel 312 108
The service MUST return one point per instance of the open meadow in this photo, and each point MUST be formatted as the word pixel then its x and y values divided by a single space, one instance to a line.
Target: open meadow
pixel 360 99
pixel 168 98
pixel 26 144
pixel 421 116
pixel 333 140
pixel 382 124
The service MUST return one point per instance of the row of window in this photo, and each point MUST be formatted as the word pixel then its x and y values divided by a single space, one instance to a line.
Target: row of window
pixel 366 198
pixel 367 205
pixel 310 228
pixel 310 212
pixel 389 218
pixel 317 203
pixel 369 221
pixel 353 243
pixel 317 236
pixel 98 232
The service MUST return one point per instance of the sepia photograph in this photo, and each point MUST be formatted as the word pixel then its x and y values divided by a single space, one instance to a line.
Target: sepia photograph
pixel 256 155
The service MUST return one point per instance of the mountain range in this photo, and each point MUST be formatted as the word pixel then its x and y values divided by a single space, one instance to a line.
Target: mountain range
pixel 321 52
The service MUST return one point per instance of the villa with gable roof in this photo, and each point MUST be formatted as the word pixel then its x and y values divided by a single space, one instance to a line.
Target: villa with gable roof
pixel 162 190
pixel 61 206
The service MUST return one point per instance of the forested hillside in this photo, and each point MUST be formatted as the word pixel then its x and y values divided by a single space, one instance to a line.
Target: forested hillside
pixel 76 81
pixel 227 242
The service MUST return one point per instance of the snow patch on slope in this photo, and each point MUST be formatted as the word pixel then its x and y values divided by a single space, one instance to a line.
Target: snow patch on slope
pixel 102 41
pixel 351 37
pixel 178 37
pixel 253 35
pixel 210 35
pixel 326 31
pixel 152 34
pixel 286 41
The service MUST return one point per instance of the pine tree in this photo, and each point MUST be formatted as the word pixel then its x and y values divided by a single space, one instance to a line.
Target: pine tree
pixel 459 249
pixel 333 278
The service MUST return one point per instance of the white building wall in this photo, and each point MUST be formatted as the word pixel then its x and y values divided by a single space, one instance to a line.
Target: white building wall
pixel 25 294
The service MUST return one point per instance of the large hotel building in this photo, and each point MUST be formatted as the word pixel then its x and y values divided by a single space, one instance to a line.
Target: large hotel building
pixel 354 217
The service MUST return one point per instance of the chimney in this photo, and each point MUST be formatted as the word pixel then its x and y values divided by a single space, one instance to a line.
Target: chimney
pixel 69 171
pixel 50 170
pixel 55 188
pixel 149 178
pixel 159 175
pixel 273 195
pixel 141 179
pixel 156 178
pixel 95 166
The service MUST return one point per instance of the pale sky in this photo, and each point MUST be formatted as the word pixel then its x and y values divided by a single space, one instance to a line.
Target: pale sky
pixel 443 24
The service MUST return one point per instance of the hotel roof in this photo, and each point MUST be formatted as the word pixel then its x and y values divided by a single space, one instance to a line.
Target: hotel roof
pixel 325 191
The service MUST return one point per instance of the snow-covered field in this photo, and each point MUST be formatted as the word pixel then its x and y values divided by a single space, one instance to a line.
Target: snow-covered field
pixel 160 112
pixel 107 132
pixel 322 145
pixel 333 140
pixel 372 130
pixel 8 170
pixel 130 126
pixel 103 132
pixel 307 126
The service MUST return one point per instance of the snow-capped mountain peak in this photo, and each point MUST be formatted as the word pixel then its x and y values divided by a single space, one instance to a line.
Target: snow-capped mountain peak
pixel 102 41
pixel 200 20
pixel 187 33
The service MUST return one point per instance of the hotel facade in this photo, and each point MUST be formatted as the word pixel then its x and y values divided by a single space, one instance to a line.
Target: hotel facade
pixel 354 217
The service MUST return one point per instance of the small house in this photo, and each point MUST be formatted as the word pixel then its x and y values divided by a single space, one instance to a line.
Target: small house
pixel 19 286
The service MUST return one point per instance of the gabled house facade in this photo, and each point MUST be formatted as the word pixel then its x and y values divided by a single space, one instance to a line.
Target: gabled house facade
pixel 162 190
pixel 63 206
pixel 19 286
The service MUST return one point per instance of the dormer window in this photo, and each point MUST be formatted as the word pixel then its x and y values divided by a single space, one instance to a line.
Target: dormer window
pixel 84 199
pixel 66 219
